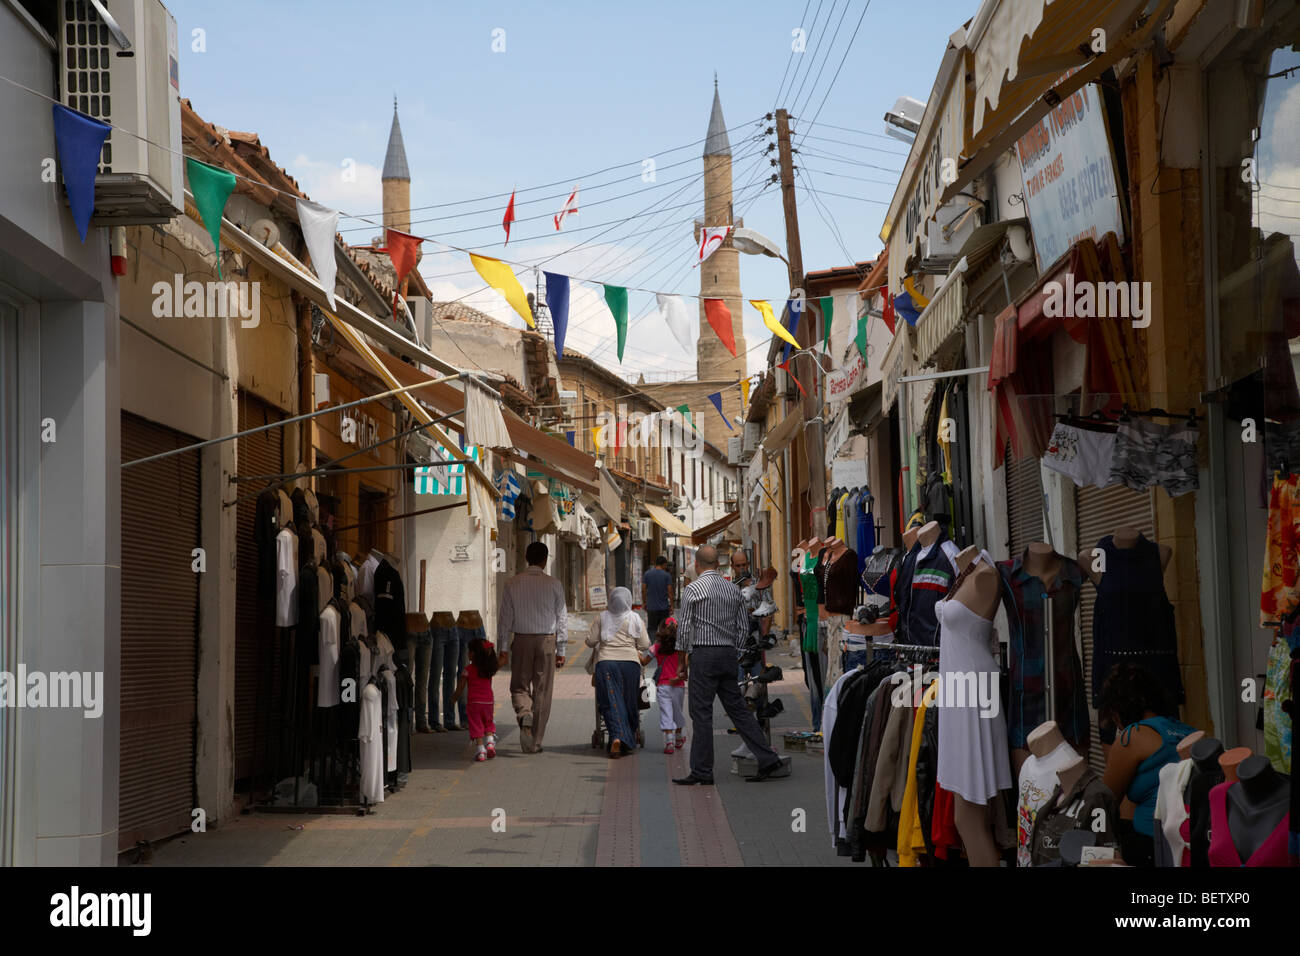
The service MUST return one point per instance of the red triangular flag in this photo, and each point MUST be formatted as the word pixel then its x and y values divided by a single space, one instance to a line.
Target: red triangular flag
pixel 719 316
pixel 786 366
pixel 403 249
pixel 509 217
pixel 887 313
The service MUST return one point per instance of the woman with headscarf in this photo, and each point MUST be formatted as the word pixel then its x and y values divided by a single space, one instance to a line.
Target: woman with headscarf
pixel 622 648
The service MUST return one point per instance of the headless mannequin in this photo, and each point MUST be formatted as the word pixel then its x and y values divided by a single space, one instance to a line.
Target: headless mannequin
pixel 979 593
pixel 1185 745
pixel 1257 805
pixel 469 619
pixel 443 619
pixel 1206 753
pixel 928 533
pixel 909 539
pixel 1045 738
pixel 1125 538
pixel 1231 760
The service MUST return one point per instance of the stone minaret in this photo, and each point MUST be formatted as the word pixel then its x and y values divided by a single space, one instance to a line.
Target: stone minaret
pixel 720 279
pixel 397 180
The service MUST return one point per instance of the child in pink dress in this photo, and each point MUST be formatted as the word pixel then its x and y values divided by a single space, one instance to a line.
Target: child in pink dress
pixel 671 689
pixel 476 680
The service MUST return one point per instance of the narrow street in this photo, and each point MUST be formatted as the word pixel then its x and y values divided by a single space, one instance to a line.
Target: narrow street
pixel 570 806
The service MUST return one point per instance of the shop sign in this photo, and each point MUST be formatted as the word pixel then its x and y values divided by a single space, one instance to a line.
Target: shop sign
pixel 596 597
pixel 837 435
pixel 896 363
pixel 1068 170
pixel 843 382
pixel 849 473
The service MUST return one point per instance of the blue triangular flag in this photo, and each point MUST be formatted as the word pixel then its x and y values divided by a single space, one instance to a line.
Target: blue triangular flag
pixel 716 399
pixel 794 307
pixel 557 300
pixel 904 306
pixel 79 140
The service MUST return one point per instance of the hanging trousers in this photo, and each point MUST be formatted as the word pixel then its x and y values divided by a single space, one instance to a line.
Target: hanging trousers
pixel 532 675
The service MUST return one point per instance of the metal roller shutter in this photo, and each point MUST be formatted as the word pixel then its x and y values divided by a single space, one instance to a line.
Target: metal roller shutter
pixel 160 618
pixel 1098 512
pixel 256 681
pixel 1024 503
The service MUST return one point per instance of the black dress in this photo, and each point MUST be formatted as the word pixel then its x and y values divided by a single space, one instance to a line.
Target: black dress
pixel 1133 621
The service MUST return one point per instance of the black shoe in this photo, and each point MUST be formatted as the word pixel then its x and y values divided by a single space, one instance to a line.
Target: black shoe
pixel 692 780
pixel 781 768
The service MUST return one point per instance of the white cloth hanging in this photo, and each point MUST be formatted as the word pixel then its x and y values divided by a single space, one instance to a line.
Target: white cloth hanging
pixel 286 584
pixel 370 735
pixel 327 680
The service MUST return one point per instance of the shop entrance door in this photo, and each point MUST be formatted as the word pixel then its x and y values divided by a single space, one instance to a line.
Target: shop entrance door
pixel 160 622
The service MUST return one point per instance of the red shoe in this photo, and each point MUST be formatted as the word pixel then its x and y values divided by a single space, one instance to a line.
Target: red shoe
pixel 491 750
pixel 681 743
pixel 668 749
pixel 480 756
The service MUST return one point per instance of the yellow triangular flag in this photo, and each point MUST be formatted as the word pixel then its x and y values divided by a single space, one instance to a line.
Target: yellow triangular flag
pixel 595 437
pixel 744 395
pixel 775 327
pixel 500 277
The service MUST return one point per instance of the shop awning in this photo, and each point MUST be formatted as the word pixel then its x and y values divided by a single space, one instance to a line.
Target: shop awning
pixel 942 316
pixel 709 530
pixel 784 432
pixel 985 240
pixel 897 362
pixel 1020 53
pixel 669 522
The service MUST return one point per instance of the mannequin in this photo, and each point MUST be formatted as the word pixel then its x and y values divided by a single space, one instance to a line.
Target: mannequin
pixel 1230 762
pixel 1206 774
pixel 469 620
pixel 928 533
pixel 979 592
pixel 1256 806
pixel 1125 538
pixel 443 619
pixel 1185 745
pixel 909 538
pixel 1042 561
pixel 1045 738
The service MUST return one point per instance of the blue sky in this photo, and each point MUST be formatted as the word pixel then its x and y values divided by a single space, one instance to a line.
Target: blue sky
pixel 580 86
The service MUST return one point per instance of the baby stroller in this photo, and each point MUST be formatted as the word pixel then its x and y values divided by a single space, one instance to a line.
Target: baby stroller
pixel 600 736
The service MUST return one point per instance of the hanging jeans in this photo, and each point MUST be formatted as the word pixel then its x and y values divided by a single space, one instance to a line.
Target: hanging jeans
pixel 812 677
pixel 423 659
pixel 444 656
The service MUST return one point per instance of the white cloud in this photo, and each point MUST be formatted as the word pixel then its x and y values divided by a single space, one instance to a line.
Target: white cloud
pixel 353 188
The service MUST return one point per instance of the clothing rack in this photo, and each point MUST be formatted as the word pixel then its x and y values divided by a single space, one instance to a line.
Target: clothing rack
pixel 926 650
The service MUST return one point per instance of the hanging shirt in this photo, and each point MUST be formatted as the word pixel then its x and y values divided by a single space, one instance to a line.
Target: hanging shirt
pixel 327 682
pixel 932 573
pixel 1089 805
pixel 911 834
pixel 286 583
pixel 865 542
pixel 371 732
pixel 1171 810
pixel 365 583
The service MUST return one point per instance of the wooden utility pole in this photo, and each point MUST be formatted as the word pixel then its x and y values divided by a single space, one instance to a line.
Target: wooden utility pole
pixel 814 435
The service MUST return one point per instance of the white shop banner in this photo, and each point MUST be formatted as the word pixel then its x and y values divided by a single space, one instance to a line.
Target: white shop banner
pixel 849 473
pixel 837 435
pixel 1068 170
pixel 843 382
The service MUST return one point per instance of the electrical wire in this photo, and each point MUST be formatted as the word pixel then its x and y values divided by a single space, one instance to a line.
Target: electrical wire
pixel 841 65
pixel 813 89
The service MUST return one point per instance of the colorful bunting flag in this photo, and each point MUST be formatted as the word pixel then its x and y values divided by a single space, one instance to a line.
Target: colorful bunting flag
pixel 570 437
pixel 716 399
pixel 570 208
pixel 719 316
pixel 744 396
pixel 557 300
pixel 887 312
pixel 404 250
pixel 862 335
pixel 595 437
pixel 904 306
pixel 211 188
pixel 509 217
pixel 79 141
pixel 687 417
pixel 319 226
pixel 616 299
pixel 786 366
pixel 827 304
pixel 794 308
pixel 769 320
pixel 673 309
pixel 500 277
pixel 711 237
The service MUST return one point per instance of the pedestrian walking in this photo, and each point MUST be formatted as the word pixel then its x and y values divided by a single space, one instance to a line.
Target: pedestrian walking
pixel 658 594
pixel 476 686
pixel 532 633
pixel 622 649
pixel 670 687
pixel 714 620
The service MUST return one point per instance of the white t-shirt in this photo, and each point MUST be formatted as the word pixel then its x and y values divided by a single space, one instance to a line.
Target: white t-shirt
pixel 1037 781
pixel 327 681
pixel 286 585
pixel 371 734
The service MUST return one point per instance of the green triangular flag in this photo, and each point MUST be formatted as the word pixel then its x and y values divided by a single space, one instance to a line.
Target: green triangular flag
pixel 827 305
pixel 685 409
pixel 211 188
pixel 862 336
pixel 616 299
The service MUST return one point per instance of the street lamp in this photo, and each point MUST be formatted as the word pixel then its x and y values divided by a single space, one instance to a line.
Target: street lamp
pixel 755 243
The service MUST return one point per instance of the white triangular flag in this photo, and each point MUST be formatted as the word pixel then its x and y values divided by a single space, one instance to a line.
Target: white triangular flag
pixel 711 238
pixel 677 318
pixel 319 226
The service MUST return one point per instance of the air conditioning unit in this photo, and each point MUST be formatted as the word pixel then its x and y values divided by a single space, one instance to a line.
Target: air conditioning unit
pixel 753 434
pixel 137 90
pixel 422 312
pixel 640 529
pixel 735 451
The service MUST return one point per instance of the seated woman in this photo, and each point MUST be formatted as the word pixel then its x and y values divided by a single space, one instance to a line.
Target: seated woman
pixel 1134 701
pixel 622 649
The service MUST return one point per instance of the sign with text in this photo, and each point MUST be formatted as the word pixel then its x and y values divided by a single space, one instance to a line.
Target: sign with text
pixel 849 473
pixel 843 382
pixel 1068 171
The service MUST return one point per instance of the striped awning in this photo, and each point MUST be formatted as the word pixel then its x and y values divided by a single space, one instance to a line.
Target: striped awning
pixel 897 362
pixel 942 316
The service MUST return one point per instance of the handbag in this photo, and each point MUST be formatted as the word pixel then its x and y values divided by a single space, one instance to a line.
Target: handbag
pixel 648 695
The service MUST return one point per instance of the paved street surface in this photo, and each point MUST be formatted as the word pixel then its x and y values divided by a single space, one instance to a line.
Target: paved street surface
pixel 569 806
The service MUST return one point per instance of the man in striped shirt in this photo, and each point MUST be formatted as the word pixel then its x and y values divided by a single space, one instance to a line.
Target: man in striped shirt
pixel 533 614
pixel 713 623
